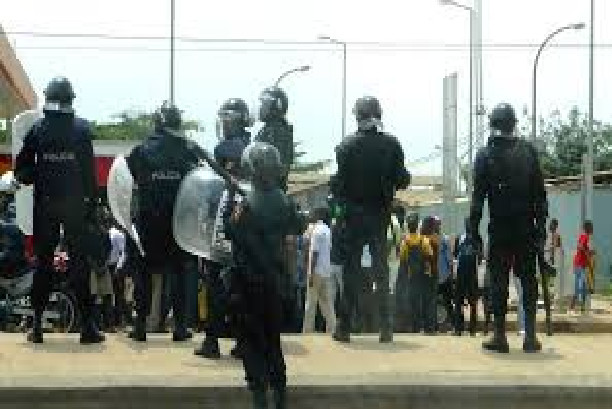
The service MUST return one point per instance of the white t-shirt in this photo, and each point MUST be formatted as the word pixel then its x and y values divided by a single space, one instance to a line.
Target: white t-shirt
pixel 117 254
pixel 320 242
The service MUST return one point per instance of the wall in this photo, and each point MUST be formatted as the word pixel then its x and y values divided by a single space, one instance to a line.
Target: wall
pixel 564 205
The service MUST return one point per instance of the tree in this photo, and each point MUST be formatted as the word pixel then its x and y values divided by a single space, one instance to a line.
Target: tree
pixel 132 126
pixel 562 143
pixel 299 166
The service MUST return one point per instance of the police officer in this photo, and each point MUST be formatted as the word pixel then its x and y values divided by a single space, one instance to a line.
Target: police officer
pixel 273 106
pixel 507 173
pixel 257 228
pixel 370 170
pixel 234 119
pixel 57 158
pixel 158 166
pixel 277 131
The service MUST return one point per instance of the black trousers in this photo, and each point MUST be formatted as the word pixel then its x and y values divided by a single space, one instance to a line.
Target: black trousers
pixel 216 302
pixel 522 260
pixel 365 227
pixel 260 333
pixel 174 272
pixel 445 290
pixel 49 215
pixel 121 310
pixel 466 289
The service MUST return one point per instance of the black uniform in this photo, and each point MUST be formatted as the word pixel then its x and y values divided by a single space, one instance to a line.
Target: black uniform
pixel 257 229
pixel 279 133
pixel 158 166
pixel 507 174
pixel 370 169
pixel 228 153
pixel 267 217
pixel 57 158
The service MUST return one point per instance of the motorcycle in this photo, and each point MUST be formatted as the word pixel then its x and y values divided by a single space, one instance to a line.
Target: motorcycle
pixel 16 310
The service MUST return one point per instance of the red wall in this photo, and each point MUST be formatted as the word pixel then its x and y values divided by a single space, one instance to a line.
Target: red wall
pixel 103 164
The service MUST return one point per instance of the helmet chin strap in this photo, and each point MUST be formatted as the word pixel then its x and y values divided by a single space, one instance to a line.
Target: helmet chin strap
pixel 54 106
pixel 370 123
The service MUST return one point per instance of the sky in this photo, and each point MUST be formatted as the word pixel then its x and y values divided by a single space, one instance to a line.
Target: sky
pixel 111 76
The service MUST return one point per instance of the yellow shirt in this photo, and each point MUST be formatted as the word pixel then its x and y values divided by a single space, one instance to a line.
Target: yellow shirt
pixel 415 239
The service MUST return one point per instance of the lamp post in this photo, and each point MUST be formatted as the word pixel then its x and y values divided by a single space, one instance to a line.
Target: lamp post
pixel 172 19
pixel 471 125
pixel 303 68
pixel 590 151
pixel 343 44
pixel 534 123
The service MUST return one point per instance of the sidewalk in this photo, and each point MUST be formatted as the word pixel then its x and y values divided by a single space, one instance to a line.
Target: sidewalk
pixel 571 360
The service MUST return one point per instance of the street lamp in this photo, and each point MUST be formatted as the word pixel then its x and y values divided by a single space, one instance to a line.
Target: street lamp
pixel 534 123
pixel 471 126
pixel 303 68
pixel 172 21
pixel 343 44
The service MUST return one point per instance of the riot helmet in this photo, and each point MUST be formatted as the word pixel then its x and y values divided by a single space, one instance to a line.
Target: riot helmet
pixel 503 119
pixel 167 116
pixel 368 113
pixel 261 162
pixel 59 95
pixel 273 104
pixel 233 116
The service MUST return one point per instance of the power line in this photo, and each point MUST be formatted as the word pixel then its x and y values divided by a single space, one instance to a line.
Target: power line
pixel 259 49
pixel 377 44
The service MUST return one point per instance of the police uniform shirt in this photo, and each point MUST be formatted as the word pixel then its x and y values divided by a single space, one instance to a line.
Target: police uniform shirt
pixel 57 157
pixel 158 166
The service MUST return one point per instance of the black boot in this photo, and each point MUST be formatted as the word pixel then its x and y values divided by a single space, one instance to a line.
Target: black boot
pixel 473 320
pixel 209 348
pixel 260 399
pixel 499 342
pixel 181 334
pixel 36 334
pixel 238 350
pixel 139 332
pixel 342 332
pixel 531 343
pixel 386 336
pixel 90 334
pixel 279 396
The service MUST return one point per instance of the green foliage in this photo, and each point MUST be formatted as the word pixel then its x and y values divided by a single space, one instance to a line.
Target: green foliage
pixel 131 126
pixel 4 137
pixel 562 142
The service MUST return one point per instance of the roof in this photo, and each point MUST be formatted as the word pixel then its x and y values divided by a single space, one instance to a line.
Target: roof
pixel 16 91
pixel 600 177
pixel 301 182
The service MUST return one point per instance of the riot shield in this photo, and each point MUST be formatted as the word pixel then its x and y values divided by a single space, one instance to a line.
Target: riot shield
pixel 24 197
pixel 200 204
pixel 119 190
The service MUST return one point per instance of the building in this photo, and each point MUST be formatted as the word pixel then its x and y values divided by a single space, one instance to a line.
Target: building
pixel 16 92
